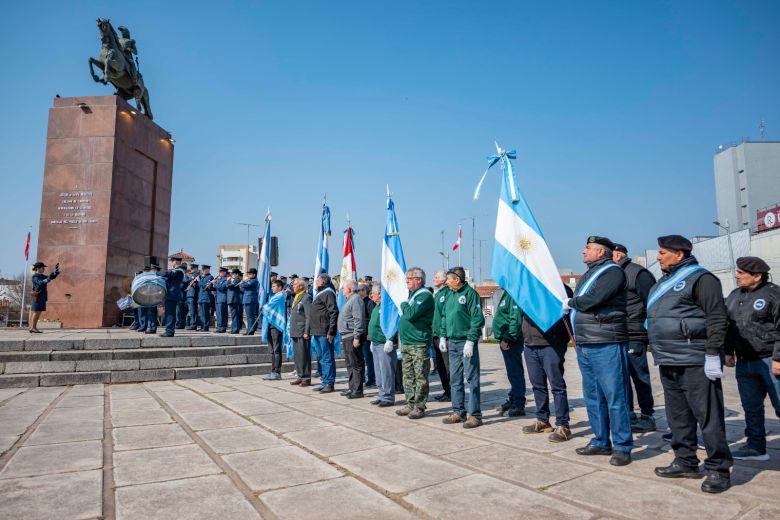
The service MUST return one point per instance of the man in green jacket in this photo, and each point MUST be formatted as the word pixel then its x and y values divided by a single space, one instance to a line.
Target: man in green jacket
pixel 415 336
pixel 508 330
pixel 459 331
pixel 440 291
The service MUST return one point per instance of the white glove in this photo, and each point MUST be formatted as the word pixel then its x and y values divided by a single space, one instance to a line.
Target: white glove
pixel 468 349
pixel 443 344
pixel 388 347
pixel 565 305
pixel 712 368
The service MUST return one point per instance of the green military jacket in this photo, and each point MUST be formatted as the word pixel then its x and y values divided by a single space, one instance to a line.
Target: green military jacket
pixel 439 298
pixel 461 315
pixel 375 331
pixel 415 325
pixel 508 321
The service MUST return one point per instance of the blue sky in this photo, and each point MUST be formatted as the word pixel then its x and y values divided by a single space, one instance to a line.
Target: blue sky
pixel 615 108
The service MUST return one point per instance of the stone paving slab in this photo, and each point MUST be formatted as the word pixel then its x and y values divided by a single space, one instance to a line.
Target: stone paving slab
pixel 290 421
pixel 275 468
pixel 54 458
pixel 213 420
pixel 160 464
pixel 72 497
pixel 335 440
pixel 347 499
pixel 139 417
pixel 202 498
pixel 236 440
pixel 149 436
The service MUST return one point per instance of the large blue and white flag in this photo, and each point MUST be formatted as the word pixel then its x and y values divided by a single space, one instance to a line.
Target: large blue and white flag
pixel 264 271
pixel 321 263
pixel 522 262
pixel 394 291
pixel 275 315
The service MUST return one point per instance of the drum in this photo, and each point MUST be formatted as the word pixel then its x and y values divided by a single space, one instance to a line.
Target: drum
pixel 148 290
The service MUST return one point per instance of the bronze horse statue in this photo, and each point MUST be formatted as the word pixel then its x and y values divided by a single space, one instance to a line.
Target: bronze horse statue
pixel 116 63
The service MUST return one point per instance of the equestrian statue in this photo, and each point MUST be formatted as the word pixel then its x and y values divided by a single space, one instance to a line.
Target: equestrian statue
pixel 119 63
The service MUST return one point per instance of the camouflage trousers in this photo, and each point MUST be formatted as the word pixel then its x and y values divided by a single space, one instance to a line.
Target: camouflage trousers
pixel 415 367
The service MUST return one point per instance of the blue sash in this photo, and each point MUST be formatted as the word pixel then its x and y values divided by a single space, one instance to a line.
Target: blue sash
pixel 664 287
pixel 584 289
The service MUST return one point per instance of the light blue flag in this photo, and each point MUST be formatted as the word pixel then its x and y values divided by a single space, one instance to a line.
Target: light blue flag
pixel 394 291
pixel 321 263
pixel 522 262
pixel 264 277
pixel 275 315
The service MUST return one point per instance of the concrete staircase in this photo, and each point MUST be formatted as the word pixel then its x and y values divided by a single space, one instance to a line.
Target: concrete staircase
pixel 81 359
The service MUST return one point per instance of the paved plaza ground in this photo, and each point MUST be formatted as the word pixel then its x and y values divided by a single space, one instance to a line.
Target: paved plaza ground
pixel 245 448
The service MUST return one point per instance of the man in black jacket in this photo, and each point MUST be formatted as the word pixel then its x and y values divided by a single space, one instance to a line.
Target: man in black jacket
pixel 322 326
pixel 753 345
pixel 598 316
pixel 638 283
pixel 686 325
pixel 300 326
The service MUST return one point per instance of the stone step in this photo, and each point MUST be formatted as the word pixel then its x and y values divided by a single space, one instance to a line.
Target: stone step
pixel 126 354
pixel 139 374
pixel 38 343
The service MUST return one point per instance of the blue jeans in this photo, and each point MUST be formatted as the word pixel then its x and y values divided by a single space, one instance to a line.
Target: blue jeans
pixel 326 358
pixel 384 365
pixel 151 318
pixel 604 370
pixel 755 381
pixel 460 366
pixel 545 364
pixel 513 360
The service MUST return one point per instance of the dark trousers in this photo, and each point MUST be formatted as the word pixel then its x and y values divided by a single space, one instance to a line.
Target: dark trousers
pixel 513 361
pixel 693 399
pixel 250 310
pixel 236 317
pixel 442 363
pixel 205 315
pixel 181 314
pixel 170 317
pixel 640 377
pixel 222 316
pixel 545 365
pixel 369 357
pixel 302 350
pixel 151 318
pixel 140 318
pixel 275 342
pixel 399 376
pixel 357 365
pixel 193 320
pixel 755 382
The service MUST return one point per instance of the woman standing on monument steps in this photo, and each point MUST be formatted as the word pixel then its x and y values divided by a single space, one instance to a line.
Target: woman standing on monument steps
pixel 40 292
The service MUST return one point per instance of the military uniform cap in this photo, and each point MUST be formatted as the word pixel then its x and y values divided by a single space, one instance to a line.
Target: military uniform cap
pixel 174 257
pixel 235 271
pixel 204 266
pixel 620 247
pixel 273 274
pixel 154 266
pixel 602 241
pixel 184 265
pixel 675 243
pixel 294 276
pixel 752 264
pixel 223 270
pixel 38 265
pixel 252 271
pixel 193 265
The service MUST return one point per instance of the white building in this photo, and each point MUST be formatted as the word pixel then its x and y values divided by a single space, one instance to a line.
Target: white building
pixel 747 180
pixel 241 257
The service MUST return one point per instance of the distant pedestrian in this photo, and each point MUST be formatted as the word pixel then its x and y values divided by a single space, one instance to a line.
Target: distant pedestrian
pixel 40 292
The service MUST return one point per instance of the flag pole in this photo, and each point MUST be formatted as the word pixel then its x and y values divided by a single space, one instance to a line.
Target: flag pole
pixel 24 284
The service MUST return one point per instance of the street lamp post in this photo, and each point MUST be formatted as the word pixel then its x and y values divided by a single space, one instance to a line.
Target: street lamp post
pixel 725 226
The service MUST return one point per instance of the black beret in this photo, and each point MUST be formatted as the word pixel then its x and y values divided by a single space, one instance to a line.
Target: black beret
pixel 752 264
pixel 602 241
pixel 459 272
pixel 675 243
pixel 620 247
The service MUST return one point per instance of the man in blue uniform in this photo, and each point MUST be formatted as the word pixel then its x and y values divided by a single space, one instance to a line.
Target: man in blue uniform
pixel 204 296
pixel 173 296
pixel 221 299
pixel 193 320
pixel 234 301
pixel 149 314
pixel 40 293
pixel 181 307
pixel 249 300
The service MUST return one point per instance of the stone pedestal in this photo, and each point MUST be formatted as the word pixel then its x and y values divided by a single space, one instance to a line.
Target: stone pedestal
pixel 106 204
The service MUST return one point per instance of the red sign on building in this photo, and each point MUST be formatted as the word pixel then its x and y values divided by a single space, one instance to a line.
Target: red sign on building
pixel 767 219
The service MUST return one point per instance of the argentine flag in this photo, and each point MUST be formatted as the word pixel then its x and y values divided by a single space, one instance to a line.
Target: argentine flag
pixel 321 263
pixel 522 263
pixel 394 291
pixel 264 276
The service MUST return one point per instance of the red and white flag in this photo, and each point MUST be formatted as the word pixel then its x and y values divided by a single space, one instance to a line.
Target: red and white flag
pixel 348 269
pixel 27 248
pixel 460 236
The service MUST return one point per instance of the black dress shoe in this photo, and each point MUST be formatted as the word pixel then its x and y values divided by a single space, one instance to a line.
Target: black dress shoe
pixel 675 470
pixel 385 404
pixel 592 449
pixel 376 401
pixel 716 482
pixel 326 389
pixel 166 335
pixel 620 458
pixel 355 395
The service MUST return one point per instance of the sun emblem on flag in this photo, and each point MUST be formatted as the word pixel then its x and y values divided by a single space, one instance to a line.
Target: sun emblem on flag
pixel 391 276
pixel 526 245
